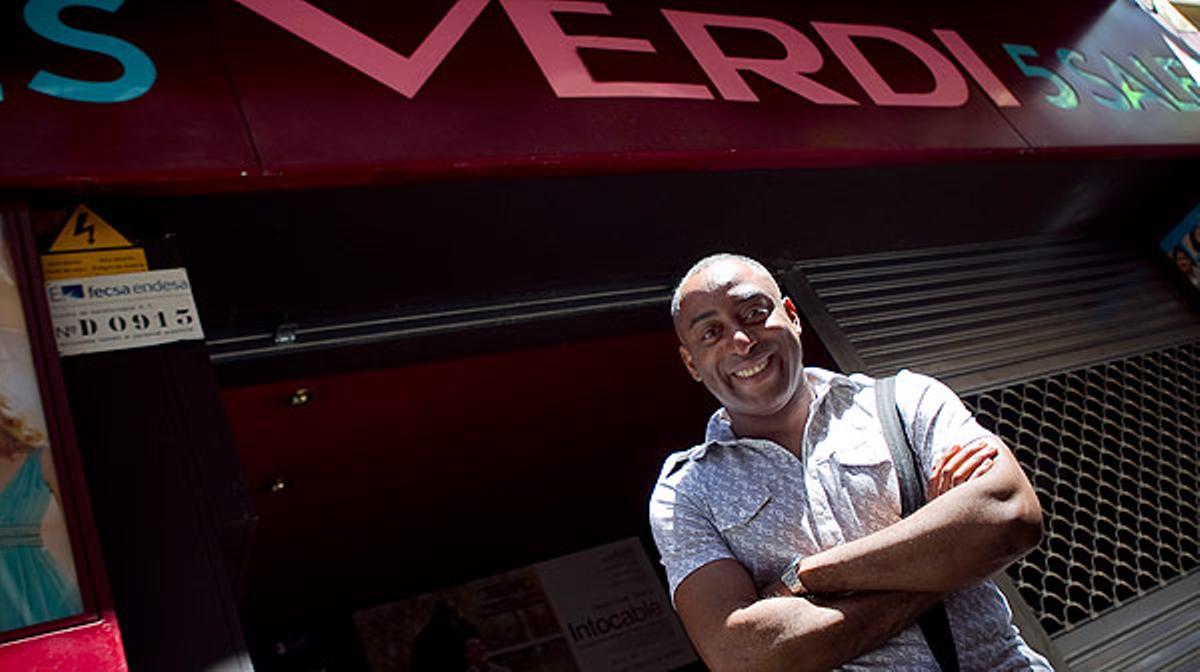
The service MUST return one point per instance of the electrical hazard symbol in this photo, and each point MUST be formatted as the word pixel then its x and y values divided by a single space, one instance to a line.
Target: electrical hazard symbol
pixel 89 246
pixel 86 231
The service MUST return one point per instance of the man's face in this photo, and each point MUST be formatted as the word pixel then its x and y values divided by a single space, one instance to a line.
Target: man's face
pixel 740 338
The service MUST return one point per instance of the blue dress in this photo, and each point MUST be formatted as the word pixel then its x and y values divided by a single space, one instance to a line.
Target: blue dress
pixel 32 589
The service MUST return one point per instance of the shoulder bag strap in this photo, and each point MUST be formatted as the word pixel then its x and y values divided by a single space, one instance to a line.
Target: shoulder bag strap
pixel 935 623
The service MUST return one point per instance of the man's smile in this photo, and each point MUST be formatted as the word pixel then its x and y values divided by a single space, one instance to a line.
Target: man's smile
pixel 753 369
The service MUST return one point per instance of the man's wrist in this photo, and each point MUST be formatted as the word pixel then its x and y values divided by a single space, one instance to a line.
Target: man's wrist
pixel 791 578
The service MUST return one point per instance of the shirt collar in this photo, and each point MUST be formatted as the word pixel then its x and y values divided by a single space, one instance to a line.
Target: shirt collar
pixel 720 428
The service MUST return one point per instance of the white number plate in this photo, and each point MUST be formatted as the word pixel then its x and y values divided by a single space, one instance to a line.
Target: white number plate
pixel 117 312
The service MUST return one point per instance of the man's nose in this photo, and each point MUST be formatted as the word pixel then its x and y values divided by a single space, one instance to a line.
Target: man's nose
pixel 743 341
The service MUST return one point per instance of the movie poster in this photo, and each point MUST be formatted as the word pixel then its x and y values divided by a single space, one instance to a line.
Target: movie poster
pixel 37 573
pixel 1182 246
pixel 600 610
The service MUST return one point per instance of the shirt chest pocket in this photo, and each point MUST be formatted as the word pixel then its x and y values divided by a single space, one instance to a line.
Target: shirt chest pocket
pixel 865 484
pixel 742 518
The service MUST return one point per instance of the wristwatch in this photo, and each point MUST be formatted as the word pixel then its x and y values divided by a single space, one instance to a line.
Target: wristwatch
pixel 791 578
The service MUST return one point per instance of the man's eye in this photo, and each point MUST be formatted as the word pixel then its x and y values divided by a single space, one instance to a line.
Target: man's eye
pixel 710 334
pixel 757 314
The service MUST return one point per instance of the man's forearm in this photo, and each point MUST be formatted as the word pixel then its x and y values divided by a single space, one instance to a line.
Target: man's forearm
pixel 955 541
pixel 815 633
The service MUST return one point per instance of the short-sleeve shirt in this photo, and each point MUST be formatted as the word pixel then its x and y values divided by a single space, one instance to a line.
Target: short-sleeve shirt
pixel 753 501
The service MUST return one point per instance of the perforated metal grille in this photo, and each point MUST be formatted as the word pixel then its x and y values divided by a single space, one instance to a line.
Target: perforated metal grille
pixel 1112 451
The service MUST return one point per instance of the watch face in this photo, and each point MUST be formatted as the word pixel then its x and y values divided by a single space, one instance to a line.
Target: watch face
pixel 790 578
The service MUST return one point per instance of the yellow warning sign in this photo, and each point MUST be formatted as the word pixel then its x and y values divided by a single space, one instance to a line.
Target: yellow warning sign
pixel 86 231
pixel 65 265
pixel 87 246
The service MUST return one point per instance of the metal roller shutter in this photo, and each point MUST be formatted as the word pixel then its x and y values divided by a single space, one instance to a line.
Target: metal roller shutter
pixel 1085 358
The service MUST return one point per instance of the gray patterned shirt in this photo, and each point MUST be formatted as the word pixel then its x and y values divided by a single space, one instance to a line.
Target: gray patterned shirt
pixel 753 501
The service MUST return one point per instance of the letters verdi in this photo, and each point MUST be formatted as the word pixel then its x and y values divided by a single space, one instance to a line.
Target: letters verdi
pixel 947 58
pixel 351 90
pixel 801 54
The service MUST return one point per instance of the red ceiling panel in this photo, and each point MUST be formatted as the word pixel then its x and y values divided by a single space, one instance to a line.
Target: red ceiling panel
pixel 186 125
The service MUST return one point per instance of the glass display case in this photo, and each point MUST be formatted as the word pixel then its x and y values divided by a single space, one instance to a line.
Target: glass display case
pixel 52 585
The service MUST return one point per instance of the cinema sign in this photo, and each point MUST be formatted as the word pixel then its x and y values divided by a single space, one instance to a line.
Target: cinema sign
pixel 450 67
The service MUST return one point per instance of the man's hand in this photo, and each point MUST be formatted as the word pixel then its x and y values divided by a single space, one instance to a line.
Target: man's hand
pixel 958 465
pixel 983 519
pixel 961 464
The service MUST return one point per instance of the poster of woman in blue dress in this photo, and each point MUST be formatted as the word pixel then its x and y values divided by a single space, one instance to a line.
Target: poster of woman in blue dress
pixel 37 573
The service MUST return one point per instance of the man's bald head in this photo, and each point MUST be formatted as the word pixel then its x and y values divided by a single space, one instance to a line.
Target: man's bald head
pixel 711 260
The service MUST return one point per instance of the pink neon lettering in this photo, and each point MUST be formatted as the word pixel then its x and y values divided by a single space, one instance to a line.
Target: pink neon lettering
pixel 557 54
pixel 979 71
pixel 949 90
pixel 405 75
pixel 802 57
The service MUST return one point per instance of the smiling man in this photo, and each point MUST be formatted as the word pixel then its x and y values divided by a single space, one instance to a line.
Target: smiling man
pixel 781 533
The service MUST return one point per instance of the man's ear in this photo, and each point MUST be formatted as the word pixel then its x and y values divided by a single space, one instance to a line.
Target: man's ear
pixel 687 363
pixel 792 314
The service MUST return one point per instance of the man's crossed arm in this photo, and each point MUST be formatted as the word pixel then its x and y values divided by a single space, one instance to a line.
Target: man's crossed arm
pixel 984 516
pixel 734 630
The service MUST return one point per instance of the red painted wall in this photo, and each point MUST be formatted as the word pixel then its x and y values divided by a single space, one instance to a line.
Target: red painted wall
pixel 406 479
